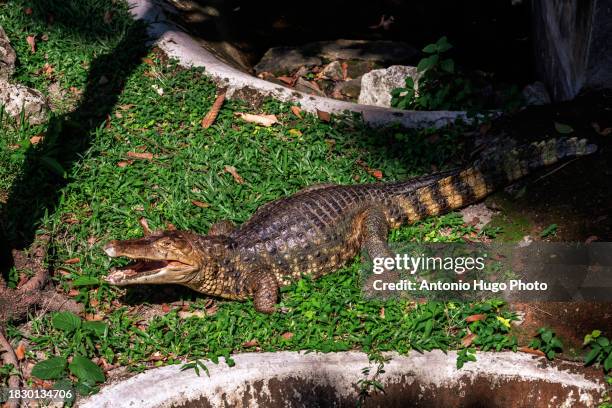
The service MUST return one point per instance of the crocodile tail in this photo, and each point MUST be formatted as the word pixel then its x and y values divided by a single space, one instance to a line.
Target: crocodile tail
pixel 487 175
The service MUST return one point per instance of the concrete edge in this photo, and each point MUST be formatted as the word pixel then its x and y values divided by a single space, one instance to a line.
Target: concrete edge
pixel 169 386
pixel 179 45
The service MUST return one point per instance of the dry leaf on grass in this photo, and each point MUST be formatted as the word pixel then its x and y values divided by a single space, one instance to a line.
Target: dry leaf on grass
pixel 475 318
pixel 323 116
pixel 296 111
pixel 165 308
pixel 196 313
pixel 72 261
pixel 468 340
pixel 287 335
pixel 31 42
pixel 378 174
pixel 138 155
pixel 262 120
pixel 20 351
pixel 124 163
pixel 251 343
pixel 212 114
pixel 232 170
pixel 200 204
pixel 36 139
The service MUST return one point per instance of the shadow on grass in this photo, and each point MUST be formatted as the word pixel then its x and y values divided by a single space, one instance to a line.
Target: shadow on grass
pixel 37 190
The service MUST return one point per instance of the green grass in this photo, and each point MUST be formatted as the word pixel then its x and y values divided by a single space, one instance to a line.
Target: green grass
pixel 101 198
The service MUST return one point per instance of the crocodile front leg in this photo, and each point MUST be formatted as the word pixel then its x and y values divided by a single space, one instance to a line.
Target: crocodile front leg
pixel 264 286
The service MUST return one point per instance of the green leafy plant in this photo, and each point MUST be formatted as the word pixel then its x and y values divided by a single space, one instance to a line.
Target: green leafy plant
pixel 601 350
pixel 86 371
pixel 438 86
pixel 547 341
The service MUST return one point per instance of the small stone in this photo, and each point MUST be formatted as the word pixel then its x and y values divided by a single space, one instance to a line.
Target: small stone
pixel 332 71
pixel 536 94
pixel 349 89
pixel 7 56
pixel 16 98
pixel 376 86
pixel 309 87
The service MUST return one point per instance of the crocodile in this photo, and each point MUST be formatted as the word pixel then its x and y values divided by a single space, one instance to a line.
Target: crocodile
pixel 318 229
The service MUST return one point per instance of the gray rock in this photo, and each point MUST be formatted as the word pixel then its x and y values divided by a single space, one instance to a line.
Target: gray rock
pixel 536 94
pixel 7 56
pixel 349 89
pixel 332 71
pixel 376 86
pixel 17 98
pixel 308 87
pixel 283 60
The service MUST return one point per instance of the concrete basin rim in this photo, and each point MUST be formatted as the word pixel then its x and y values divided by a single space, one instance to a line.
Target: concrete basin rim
pixel 169 385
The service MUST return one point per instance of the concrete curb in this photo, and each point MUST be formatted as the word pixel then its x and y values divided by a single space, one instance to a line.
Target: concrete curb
pixel 179 45
pixel 258 377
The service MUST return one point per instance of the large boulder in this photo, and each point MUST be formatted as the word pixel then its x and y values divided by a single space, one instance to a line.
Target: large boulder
pixel 7 56
pixel 376 85
pixel 17 98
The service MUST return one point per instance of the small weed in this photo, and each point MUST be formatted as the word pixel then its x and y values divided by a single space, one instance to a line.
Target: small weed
pixel 547 341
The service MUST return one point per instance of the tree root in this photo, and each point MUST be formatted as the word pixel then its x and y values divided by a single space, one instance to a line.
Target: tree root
pixel 9 357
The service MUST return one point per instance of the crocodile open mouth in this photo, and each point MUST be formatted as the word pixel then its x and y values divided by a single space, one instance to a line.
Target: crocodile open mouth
pixel 141 268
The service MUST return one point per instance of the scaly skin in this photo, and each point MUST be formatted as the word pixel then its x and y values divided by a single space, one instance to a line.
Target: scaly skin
pixel 319 229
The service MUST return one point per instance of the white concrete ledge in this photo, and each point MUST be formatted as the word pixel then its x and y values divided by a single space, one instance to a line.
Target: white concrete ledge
pixel 286 379
pixel 179 45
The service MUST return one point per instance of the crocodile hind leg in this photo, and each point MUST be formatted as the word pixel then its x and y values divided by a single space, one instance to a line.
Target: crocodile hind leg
pixel 264 287
pixel 375 230
pixel 223 227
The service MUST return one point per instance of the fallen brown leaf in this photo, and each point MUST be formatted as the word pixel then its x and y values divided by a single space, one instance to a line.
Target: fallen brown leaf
pixel 212 114
pixel 232 170
pixel 196 313
pixel 143 156
pixel 20 351
pixel 344 71
pixel 531 351
pixel 124 163
pixel 467 340
pixel 378 174
pixel 287 80
pixel 165 308
pixel 296 111
pixel 200 204
pixel 126 106
pixel 32 43
pixel 28 11
pixel 73 293
pixel 287 335
pixel 475 318
pixel 47 70
pixel 382 313
pixel 148 61
pixel 94 302
pixel 263 120
pixel 251 343
pixel 323 116
pixel 72 261
pixel 93 317
pixel 36 139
